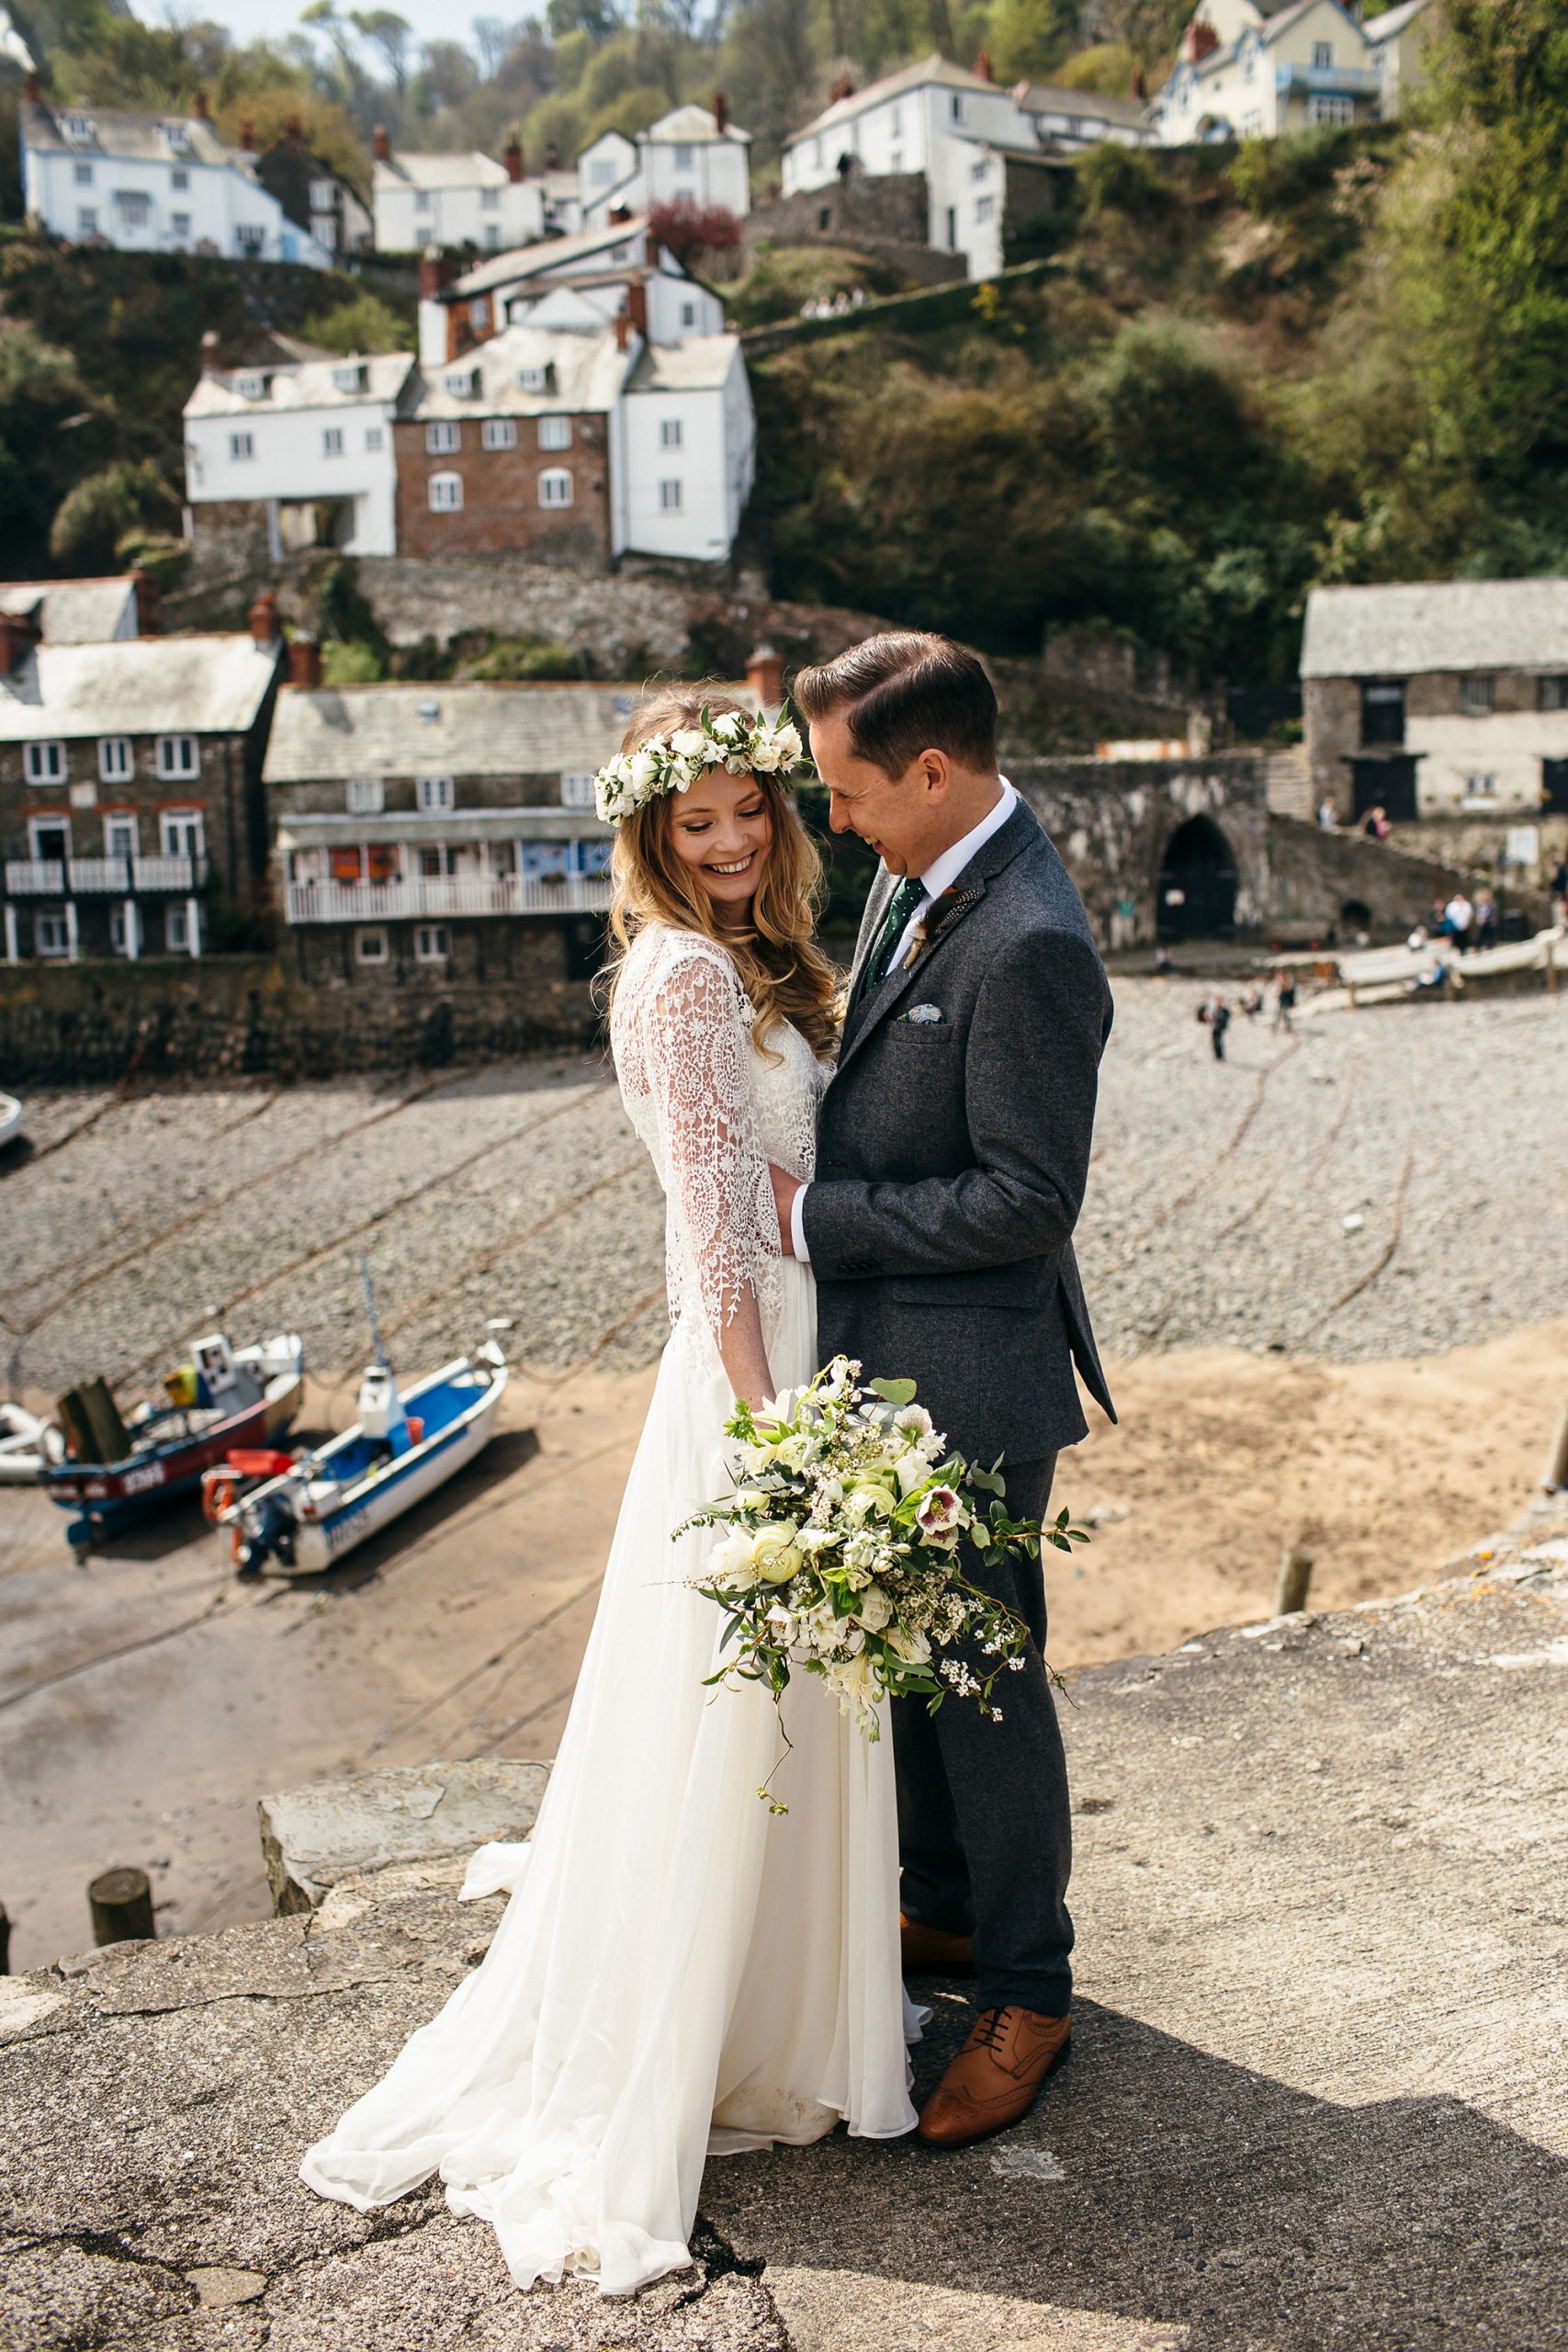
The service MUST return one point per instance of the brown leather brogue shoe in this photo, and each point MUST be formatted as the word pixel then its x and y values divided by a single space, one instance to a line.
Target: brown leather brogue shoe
pixel 996 2077
pixel 933 1951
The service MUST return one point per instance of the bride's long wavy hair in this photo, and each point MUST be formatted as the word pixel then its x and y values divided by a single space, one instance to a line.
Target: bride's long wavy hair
pixel 783 972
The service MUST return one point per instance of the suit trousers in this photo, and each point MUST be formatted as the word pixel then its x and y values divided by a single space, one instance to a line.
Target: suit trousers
pixel 984 1833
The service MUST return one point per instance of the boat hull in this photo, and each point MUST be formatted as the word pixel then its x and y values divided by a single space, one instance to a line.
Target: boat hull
pixel 112 1497
pixel 321 1543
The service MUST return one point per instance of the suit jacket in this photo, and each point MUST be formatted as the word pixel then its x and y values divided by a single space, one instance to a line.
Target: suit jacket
pixel 951 1156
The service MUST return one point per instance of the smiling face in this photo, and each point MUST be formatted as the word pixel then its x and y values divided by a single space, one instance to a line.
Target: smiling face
pixel 721 830
pixel 905 818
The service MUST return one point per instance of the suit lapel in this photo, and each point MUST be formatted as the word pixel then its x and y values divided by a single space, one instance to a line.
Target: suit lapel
pixel 940 922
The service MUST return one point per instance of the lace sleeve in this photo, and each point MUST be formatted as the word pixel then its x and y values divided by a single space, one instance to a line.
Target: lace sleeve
pixel 723 1232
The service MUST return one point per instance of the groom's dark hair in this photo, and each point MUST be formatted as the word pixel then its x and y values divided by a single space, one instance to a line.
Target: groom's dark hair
pixel 907 692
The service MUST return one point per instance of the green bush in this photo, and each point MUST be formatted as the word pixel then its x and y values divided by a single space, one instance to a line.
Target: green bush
pixel 366 324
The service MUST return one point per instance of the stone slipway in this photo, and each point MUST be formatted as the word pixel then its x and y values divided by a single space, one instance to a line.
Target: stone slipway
pixel 1317 2096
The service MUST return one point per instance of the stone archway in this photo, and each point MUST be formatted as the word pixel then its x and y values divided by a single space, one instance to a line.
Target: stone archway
pixel 1195 895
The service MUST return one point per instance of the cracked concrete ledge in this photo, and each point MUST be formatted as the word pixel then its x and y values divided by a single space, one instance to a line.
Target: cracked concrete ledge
pixel 1317 2096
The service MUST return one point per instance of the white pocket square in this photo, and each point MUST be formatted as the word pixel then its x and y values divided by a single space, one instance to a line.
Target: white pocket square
pixel 924 1012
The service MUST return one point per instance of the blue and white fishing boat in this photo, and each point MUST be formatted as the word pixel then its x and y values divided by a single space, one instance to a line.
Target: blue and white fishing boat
pixel 400 1450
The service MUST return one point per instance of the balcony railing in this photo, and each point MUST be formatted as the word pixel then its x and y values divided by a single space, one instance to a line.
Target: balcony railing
pixel 1348 80
pixel 55 878
pixel 437 898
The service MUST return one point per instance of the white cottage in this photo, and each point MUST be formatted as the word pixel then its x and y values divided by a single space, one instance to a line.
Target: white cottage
pixel 1256 69
pixel 691 156
pixel 308 443
pixel 152 182
pixel 454 199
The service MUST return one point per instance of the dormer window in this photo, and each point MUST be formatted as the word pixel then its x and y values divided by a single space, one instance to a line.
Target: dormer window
pixel 461 383
pixel 350 379
pixel 538 380
pixel 251 387
pixel 178 136
pixel 78 129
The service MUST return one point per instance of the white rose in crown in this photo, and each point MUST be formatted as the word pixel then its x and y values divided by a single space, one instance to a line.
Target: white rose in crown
pixel 735 740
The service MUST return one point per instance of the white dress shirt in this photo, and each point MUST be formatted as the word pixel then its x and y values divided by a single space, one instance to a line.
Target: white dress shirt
pixel 939 876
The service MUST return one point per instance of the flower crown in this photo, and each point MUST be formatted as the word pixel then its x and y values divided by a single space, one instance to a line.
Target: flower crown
pixel 736 740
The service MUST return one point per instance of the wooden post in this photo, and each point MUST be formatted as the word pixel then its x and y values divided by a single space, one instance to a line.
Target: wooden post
pixel 1295 1579
pixel 4 1942
pixel 121 1904
pixel 1555 1474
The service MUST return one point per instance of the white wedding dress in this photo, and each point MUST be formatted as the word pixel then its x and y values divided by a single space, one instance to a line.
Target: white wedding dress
pixel 679 1972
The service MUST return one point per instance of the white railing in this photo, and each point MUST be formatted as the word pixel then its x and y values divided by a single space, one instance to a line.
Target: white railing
pixel 35 878
pixel 437 898
pixel 47 877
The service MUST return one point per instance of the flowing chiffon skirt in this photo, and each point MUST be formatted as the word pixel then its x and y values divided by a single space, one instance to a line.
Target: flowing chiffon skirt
pixel 679 1972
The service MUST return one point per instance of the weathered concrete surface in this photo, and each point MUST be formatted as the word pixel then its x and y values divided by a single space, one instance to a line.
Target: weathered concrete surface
pixel 329 1831
pixel 1317 2096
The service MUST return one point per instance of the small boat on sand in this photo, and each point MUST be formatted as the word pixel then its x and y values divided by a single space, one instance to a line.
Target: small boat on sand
pixel 10 1120
pixel 115 1472
pixel 400 1450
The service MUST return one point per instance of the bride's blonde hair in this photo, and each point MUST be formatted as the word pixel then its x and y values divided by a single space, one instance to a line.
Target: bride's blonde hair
pixel 783 972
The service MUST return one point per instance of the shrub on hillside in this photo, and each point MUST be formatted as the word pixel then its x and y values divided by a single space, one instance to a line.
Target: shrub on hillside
pixel 366 324
pixel 1110 179
pixel 105 508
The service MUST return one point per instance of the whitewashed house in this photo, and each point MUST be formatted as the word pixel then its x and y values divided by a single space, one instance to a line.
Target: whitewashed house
pixel 685 454
pixel 454 199
pixel 1256 69
pixel 83 612
pixel 693 155
pixel 1071 121
pixel 152 182
pixel 1438 699
pixel 308 442
pixel 597 266
pixel 977 147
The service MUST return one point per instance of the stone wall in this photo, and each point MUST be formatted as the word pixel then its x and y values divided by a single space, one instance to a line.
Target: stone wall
pixel 894 204
pixel 1342 883
pixel 98 1024
pixel 1111 820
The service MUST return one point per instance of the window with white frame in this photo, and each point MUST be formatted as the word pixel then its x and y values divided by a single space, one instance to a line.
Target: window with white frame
pixel 1322 55
pixel 1481 787
pixel 685 158
pixel 895 160
pixel 497 433
pixel 1553 693
pixel 179 181
pixel 250 240
pixel 538 380
pixel 49 840
pixel 671 436
pixel 421 200
pixel 119 936
pixel 331 440
pixel 602 171
pixel 554 487
pixel 134 208
pixel 1478 694
pixel 350 379
pixel 179 224
pixel 688 314
pixel 896 123
pixel 373 436
pixel 1329 108
pixel 83 176
pixel 424 233
pixel 370 947
pixel 177 930
pixel 490 199
pixel 670 497
pixel 181 832
pixel 51 935
pixel 982 170
pixel 251 388
pixel 554 432
pixel 366 796
pixel 443 439
pixel 178 756
pixel 958 105
pixel 242 448
pixel 478 311
pixel 445 494
pixel 985 209
pixel 44 763
pixel 79 128
pixel 430 943
pixel 461 383
pixel 115 761
pixel 322 196
pixel 436 792
pixel 86 221
pixel 577 789
pixel 119 834
pixel 492 237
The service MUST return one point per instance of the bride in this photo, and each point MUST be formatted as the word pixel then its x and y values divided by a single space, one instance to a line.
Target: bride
pixel 679 1972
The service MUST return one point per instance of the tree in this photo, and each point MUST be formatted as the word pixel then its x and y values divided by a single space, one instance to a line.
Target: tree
pixel 688 231
pixel 120 500
pixel 390 33
pixel 447 73
pixel 493 40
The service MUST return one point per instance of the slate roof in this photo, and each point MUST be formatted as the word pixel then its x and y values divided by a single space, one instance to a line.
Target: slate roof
pixel 126 136
pixel 1436 625
pixel 73 612
pixel 144 685
pixel 588 373
pixel 692 125
pixel 539 260
pixel 330 733
pixel 1084 105
pixel 893 86
pixel 307 384
pixel 446 169
pixel 701 364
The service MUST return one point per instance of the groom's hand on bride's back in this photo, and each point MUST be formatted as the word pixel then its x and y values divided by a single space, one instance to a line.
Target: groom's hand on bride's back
pixel 785 1187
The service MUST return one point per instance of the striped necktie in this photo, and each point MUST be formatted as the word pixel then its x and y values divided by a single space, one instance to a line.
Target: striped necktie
pixel 905 899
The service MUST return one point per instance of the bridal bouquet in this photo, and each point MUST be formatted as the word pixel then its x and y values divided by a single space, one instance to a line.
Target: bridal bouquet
pixel 840 1550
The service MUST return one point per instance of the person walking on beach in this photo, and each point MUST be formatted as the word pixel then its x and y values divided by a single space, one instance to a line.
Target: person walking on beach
pixel 1219 1022
pixel 1285 1003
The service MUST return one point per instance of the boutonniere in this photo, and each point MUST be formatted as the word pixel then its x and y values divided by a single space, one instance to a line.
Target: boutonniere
pixel 930 923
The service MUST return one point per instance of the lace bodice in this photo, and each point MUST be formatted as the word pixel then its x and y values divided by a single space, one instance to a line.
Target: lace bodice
pixel 713 1109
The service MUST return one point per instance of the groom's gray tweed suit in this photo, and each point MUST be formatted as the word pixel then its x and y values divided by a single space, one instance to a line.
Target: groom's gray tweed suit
pixel 951 1161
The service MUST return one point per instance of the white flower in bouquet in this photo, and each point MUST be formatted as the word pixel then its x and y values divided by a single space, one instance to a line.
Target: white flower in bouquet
pixel 940 1515
pixel 775 1554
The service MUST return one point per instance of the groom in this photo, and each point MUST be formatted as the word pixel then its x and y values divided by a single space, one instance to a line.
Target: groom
pixel 952 1148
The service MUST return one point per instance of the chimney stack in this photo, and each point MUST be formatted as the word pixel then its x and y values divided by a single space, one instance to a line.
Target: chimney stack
pixel 265 626
pixel 720 112
pixel 292 130
pixel 764 675
pixel 304 661
pixel 248 137
pixel 1198 41
pixel 198 106
pixel 983 66
pixel 843 89
pixel 18 635
pixel 619 212
pixel 1139 83
pixel 622 330
pixel 32 88
pixel 149 618
pixel 380 145
pixel 636 305
pixel 512 156
pixel 432 273
pixel 211 352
